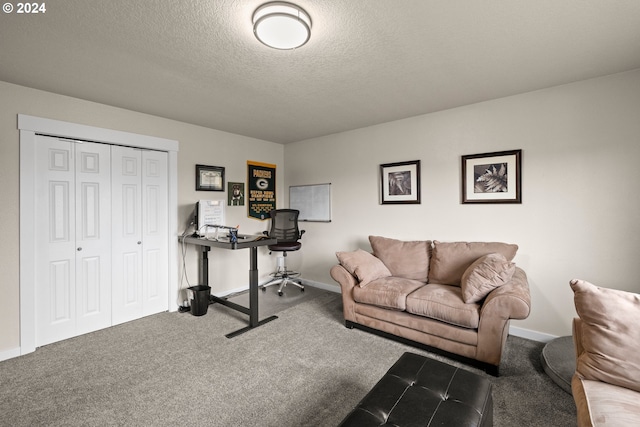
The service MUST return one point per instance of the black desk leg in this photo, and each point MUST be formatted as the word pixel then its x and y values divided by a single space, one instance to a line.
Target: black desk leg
pixel 204 266
pixel 253 297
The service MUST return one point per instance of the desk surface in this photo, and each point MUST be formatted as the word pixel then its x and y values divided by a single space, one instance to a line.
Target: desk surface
pixel 244 241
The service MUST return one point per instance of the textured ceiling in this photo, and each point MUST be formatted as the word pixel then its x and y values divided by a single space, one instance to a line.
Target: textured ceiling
pixel 367 62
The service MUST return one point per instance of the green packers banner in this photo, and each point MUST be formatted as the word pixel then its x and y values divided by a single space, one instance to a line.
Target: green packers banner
pixel 262 189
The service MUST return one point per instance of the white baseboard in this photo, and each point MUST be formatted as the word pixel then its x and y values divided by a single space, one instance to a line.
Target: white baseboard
pixel 323 286
pixel 319 285
pixel 531 335
pixel 9 354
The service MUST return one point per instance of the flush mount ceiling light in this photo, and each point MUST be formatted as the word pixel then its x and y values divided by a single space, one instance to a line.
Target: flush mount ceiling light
pixel 281 25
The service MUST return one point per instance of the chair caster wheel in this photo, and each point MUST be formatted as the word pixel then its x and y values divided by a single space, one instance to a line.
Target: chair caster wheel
pixel 279 293
pixel 264 289
pixel 301 289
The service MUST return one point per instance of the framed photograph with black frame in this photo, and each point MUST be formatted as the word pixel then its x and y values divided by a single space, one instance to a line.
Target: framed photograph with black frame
pixel 492 177
pixel 209 178
pixel 400 182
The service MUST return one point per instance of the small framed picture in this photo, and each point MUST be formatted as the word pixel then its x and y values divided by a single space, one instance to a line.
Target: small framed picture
pixel 492 177
pixel 400 182
pixel 235 194
pixel 209 178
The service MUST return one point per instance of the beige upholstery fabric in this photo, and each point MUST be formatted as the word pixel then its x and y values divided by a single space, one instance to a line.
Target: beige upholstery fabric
pixel 444 303
pixel 388 292
pixel 609 335
pixel 449 260
pixel 605 405
pixel 404 259
pixel 363 265
pixel 485 344
pixel 484 275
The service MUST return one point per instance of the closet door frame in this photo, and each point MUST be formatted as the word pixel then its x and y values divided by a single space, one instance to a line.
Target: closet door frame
pixel 29 126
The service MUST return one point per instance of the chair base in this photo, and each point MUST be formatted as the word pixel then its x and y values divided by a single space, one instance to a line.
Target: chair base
pixel 283 280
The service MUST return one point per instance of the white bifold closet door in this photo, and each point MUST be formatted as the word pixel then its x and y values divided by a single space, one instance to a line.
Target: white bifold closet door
pixel 139 239
pixel 102 236
pixel 73 229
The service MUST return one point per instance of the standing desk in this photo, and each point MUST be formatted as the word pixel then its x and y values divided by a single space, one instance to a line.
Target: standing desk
pixel 244 241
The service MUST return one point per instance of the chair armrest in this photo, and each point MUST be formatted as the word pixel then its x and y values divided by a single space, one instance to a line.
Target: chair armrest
pixel 577 336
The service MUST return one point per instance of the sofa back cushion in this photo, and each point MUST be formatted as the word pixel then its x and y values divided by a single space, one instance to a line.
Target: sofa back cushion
pixel 609 334
pixel 406 259
pixel 450 260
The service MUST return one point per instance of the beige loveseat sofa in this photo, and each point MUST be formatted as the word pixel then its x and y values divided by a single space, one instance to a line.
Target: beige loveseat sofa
pixel 606 384
pixel 457 297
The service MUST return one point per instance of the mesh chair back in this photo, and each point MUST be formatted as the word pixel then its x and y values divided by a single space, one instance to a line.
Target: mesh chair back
pixel 284 225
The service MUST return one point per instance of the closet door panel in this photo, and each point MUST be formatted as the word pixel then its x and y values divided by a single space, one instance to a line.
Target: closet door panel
pixel 155 235
pixel 55 251
pixel 93 236
pixel 126 179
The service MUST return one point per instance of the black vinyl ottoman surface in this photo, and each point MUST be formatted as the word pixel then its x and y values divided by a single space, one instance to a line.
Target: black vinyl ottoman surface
pixel 418 391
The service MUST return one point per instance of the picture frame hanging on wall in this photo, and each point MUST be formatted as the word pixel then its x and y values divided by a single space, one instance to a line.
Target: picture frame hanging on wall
pixel 209 178
pixel 492 177
pixel 235 194
pixel 400 182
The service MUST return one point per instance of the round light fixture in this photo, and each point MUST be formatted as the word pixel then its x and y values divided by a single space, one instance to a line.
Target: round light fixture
pixel 281 25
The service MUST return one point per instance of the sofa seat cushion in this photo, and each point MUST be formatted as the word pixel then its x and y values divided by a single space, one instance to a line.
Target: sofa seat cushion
pixel 388 292
pixel 408 259
pixel 444 303
pixel 602 404
pixel 450 260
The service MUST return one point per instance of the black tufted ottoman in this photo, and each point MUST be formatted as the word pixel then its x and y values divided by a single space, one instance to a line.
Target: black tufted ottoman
pixel 418 391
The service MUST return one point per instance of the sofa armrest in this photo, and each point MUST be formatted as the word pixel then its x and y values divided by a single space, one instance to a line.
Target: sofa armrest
pixel 347 282
pixel 509 301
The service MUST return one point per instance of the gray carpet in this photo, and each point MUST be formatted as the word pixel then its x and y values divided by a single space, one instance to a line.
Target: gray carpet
pixel 303 369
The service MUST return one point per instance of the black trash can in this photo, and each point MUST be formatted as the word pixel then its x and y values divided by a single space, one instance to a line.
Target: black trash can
pixel 200 301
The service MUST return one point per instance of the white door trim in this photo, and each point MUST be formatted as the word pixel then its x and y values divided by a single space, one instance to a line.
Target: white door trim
pixel 29 126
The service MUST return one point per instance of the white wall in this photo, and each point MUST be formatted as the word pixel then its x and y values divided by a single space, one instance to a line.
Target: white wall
pixel 198 145
pixel 580 215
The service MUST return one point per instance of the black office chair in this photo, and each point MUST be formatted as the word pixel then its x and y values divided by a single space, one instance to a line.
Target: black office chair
pixel 284 227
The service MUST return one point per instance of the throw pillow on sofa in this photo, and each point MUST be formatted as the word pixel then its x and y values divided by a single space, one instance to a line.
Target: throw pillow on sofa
pixel 610 334
pixel 363 265
pixel 450 260
pixel 484 275
pixel 406 259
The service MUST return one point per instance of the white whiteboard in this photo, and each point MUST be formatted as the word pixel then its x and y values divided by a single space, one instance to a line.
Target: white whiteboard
pixel 313 201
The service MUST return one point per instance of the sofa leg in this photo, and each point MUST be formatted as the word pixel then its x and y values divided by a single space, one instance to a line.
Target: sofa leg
pixel 348 324
pixel 493 370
